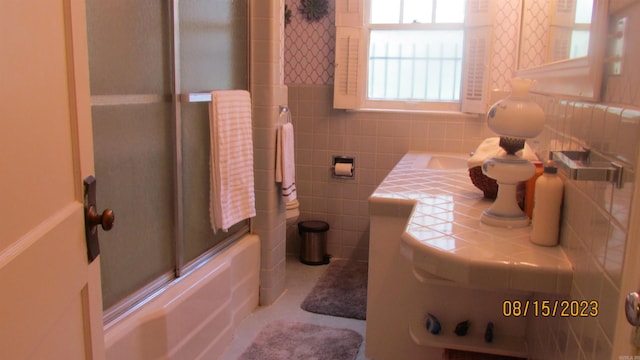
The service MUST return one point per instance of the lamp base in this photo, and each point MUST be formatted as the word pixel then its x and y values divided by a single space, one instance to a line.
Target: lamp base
pixel 508 171
pixel 504 221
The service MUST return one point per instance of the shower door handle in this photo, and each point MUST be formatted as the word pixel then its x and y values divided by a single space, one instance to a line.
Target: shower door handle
pixel 92 218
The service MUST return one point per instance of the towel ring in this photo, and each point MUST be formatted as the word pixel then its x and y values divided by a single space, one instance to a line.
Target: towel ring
pixel 285 110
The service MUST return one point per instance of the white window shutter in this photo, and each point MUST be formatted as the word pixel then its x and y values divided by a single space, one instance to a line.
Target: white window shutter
pixel 562 21
pixel 562 13
pixel 480 13
pixel 477 56
pixel 350 52
pixel 348 83
pixel 560 44
pixel 349 13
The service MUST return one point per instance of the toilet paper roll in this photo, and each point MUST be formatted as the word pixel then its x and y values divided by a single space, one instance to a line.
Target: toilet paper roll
pixel 344 169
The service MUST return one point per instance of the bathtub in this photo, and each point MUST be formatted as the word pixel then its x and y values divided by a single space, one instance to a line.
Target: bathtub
pixel 195 318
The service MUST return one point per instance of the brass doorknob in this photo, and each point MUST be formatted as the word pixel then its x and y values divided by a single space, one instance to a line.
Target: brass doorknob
pixel 632 308
pixel 105 219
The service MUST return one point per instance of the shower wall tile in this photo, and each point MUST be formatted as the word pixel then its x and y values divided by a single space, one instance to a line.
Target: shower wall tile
pixel 263 139
pixel 268 92
pixel 267 75
pixel 264 8
pixel 274 282
pixel 271 254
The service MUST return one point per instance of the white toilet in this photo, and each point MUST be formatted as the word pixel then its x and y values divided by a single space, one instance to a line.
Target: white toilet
pixel 292 212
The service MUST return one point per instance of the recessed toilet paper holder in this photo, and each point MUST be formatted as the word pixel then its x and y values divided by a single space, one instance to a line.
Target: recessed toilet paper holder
pixel 338 163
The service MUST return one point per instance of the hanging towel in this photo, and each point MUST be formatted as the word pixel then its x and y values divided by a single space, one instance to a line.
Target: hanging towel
pixel 285 162
pixel 232 196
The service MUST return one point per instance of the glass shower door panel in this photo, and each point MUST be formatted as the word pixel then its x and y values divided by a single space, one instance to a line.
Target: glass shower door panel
pixel 130 72
pixel 213 56
pixel 129 51
pixel 134 172
pixel 213 45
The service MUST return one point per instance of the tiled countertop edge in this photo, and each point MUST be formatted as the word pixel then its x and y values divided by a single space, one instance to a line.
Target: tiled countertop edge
pixel 530 268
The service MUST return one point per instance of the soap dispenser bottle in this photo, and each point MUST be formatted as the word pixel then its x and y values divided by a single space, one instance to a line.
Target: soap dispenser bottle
pixel 547 205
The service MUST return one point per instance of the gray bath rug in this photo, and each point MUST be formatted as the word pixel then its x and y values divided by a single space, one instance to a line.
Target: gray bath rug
pixel 341 291
pixel 283 340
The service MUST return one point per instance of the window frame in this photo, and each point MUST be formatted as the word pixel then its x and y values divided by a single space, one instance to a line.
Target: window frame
pixel 419 105
pixel 352 48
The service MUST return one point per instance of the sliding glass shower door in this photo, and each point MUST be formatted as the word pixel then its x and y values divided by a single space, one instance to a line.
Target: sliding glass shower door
pixel 151 150
pixel 213 45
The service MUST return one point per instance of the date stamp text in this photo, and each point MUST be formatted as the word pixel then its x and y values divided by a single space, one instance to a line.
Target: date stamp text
pixel 550 308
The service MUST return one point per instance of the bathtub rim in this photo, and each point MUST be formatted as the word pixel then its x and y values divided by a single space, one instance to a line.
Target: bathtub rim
pixel 143 296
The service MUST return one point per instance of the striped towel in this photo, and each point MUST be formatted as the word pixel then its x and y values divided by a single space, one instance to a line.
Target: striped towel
pixel 232 196
pixel 285 162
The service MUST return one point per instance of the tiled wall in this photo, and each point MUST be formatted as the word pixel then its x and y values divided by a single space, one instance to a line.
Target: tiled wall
pixel 268 91
pixel 596 215
pixel 594 226
pixel 377 140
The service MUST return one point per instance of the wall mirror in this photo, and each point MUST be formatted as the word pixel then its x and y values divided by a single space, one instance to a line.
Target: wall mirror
pixel 565 53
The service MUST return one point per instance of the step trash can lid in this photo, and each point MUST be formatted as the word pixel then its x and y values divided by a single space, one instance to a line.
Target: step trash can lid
pixel 314 226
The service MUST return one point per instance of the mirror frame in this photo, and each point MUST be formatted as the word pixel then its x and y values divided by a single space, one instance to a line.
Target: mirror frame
pixel 580 77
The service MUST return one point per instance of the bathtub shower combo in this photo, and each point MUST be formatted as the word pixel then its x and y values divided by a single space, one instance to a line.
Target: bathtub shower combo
pixel 162 299
pixel 193 318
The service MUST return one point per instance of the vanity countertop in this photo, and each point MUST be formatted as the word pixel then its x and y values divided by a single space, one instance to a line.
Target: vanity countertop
pixel 445 238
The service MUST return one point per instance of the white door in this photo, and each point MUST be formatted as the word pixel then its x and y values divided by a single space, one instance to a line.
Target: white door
pixel 623 347
pixel 50 301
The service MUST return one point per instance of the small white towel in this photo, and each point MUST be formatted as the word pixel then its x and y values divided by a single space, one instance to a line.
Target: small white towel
pixel 285 162
pixel 232 196
pixel 490 148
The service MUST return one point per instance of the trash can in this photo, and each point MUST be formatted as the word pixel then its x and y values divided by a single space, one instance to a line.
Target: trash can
pixel 314 242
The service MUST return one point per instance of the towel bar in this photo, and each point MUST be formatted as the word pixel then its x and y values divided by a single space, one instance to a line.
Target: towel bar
pixel 587 165
pixel 195 97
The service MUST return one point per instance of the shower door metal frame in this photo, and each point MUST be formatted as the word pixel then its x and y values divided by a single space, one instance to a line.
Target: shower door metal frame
pixel 145 294
pixel 174 43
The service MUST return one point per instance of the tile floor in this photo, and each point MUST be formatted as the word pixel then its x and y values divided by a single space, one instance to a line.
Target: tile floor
pixel 300 280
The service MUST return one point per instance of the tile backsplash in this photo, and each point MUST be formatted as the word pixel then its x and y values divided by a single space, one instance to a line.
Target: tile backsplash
pixel 594 226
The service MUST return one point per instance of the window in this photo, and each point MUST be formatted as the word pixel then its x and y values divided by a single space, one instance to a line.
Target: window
pixel 412 54
pixel 571 22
